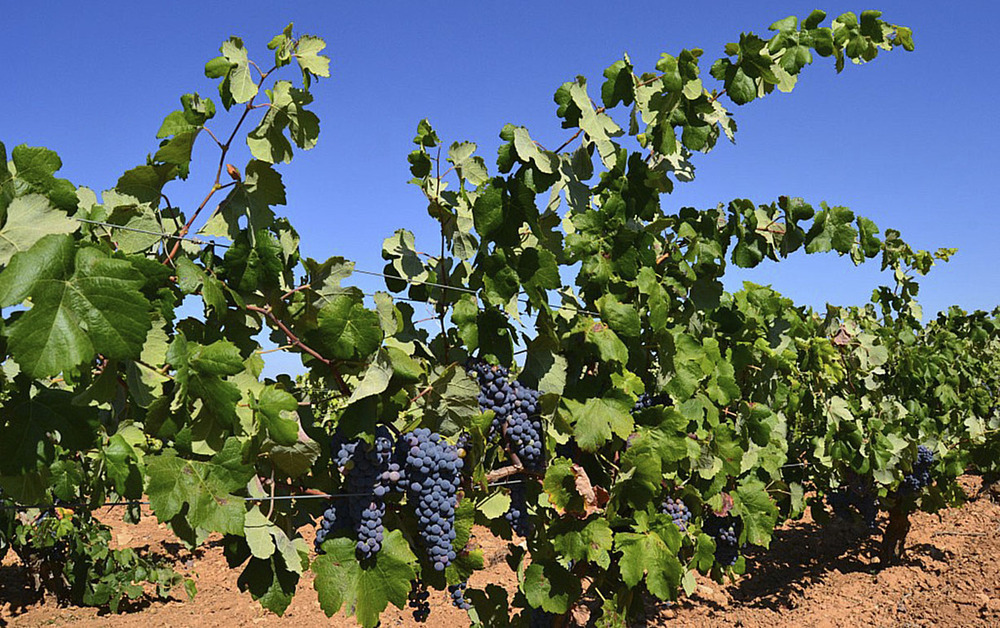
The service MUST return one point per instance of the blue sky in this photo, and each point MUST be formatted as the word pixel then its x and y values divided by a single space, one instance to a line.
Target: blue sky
pixel 909 140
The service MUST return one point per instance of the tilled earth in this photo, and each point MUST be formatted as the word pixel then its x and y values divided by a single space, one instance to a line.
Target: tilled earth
pixel 810 576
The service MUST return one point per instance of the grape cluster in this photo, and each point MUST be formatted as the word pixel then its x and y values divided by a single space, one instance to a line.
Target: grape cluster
pixel 517 514
pixel 368 479
pixel 515 408
pixel 393 476
pixel 921 475
pixel 647 400
pixel 523 427
pixel 333 520
pixel 457 593
pixel 433 473
pixel 417 600
pixel 537 618
pixel 495 392
pixel 678 511
pixel 723 531
pixel 855 496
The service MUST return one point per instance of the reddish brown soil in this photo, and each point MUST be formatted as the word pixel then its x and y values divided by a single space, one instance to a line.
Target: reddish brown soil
pixel 809 577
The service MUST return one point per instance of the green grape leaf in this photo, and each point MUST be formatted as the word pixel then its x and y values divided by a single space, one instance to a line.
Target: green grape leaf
pixel 277 411
pixel 29 219
pixel 591 542
pixel 494 506
pixel 376 379
pixel 310 61
pixel 346 330
pixel 452 402
pixel 254 263
pixel 831 230
pixel 238 85
pixel 364 591
pixel 296 459
pixel 647 556
pixel 550 586
pixel 758 511
pixel 287 112
pixel 36 167
pixel 621 317
pixel 201 492
pixel 35 426
pixel 79 310
pixel 269 582
pixel 597 419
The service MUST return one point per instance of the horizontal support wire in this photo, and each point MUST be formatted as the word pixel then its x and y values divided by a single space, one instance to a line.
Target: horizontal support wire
pixel 416 282
pixel 275 498
pixel 160 234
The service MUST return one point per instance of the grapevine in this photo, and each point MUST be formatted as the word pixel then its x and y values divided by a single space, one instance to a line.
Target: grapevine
pixel 614 362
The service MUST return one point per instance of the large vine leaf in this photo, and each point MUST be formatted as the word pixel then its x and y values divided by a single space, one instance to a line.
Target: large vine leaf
pixel 364 591
pixel 203 493
pixel 29 219
pixel 79 309
pixel 346 329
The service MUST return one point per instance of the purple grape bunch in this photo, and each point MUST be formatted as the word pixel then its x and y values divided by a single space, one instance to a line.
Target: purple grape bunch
pixel 678 511
pixel 516 412
pixel 457 594
pixel 517 514
pixel 724 532
pixel 920 477
pixel 433 471
pixel 647 400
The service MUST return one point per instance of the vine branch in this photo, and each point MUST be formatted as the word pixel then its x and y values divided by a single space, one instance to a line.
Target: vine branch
pixel 295 341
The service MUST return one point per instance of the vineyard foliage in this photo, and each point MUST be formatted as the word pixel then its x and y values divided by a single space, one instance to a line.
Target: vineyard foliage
pixel 563 270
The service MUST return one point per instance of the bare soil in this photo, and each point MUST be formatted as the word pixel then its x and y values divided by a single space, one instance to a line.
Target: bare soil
pixel 810 577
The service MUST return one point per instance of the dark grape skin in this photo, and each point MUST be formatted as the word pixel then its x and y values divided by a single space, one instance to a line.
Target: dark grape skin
pixel 724 531
pixel 855 496
pixel 418 601
pixel 433 470
pixel 537 618
pixel 367 469
pixel 920 476
pixel 457 594
pixel 678 511
pixel 647 400
pixel 516 412
pixel 517 514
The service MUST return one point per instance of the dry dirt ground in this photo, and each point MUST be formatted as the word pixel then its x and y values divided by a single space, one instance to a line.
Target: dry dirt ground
pixel 810 577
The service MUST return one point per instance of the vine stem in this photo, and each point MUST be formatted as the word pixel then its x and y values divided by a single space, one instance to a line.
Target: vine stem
pixel 292 338
pixel 218 173
pixel 506 472
pixel 421 394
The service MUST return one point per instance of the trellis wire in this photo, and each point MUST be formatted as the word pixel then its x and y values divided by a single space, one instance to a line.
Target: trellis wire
pixel 415 282
pixel 274 498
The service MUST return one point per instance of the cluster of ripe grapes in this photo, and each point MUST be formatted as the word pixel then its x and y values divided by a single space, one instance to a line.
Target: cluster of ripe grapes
pixel 921 474
pixel 433 477
pixel 420 462
pixel 517 514
pixel 517 423
pixel 727 538
pixel 516 412
pixel 855 496
pixel 457 593
pixel 418 601
pixel 647 400
pixel 678 511
pixel 363 466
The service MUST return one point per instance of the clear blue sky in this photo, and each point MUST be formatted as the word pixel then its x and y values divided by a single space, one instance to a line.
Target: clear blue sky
pixel 909 140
